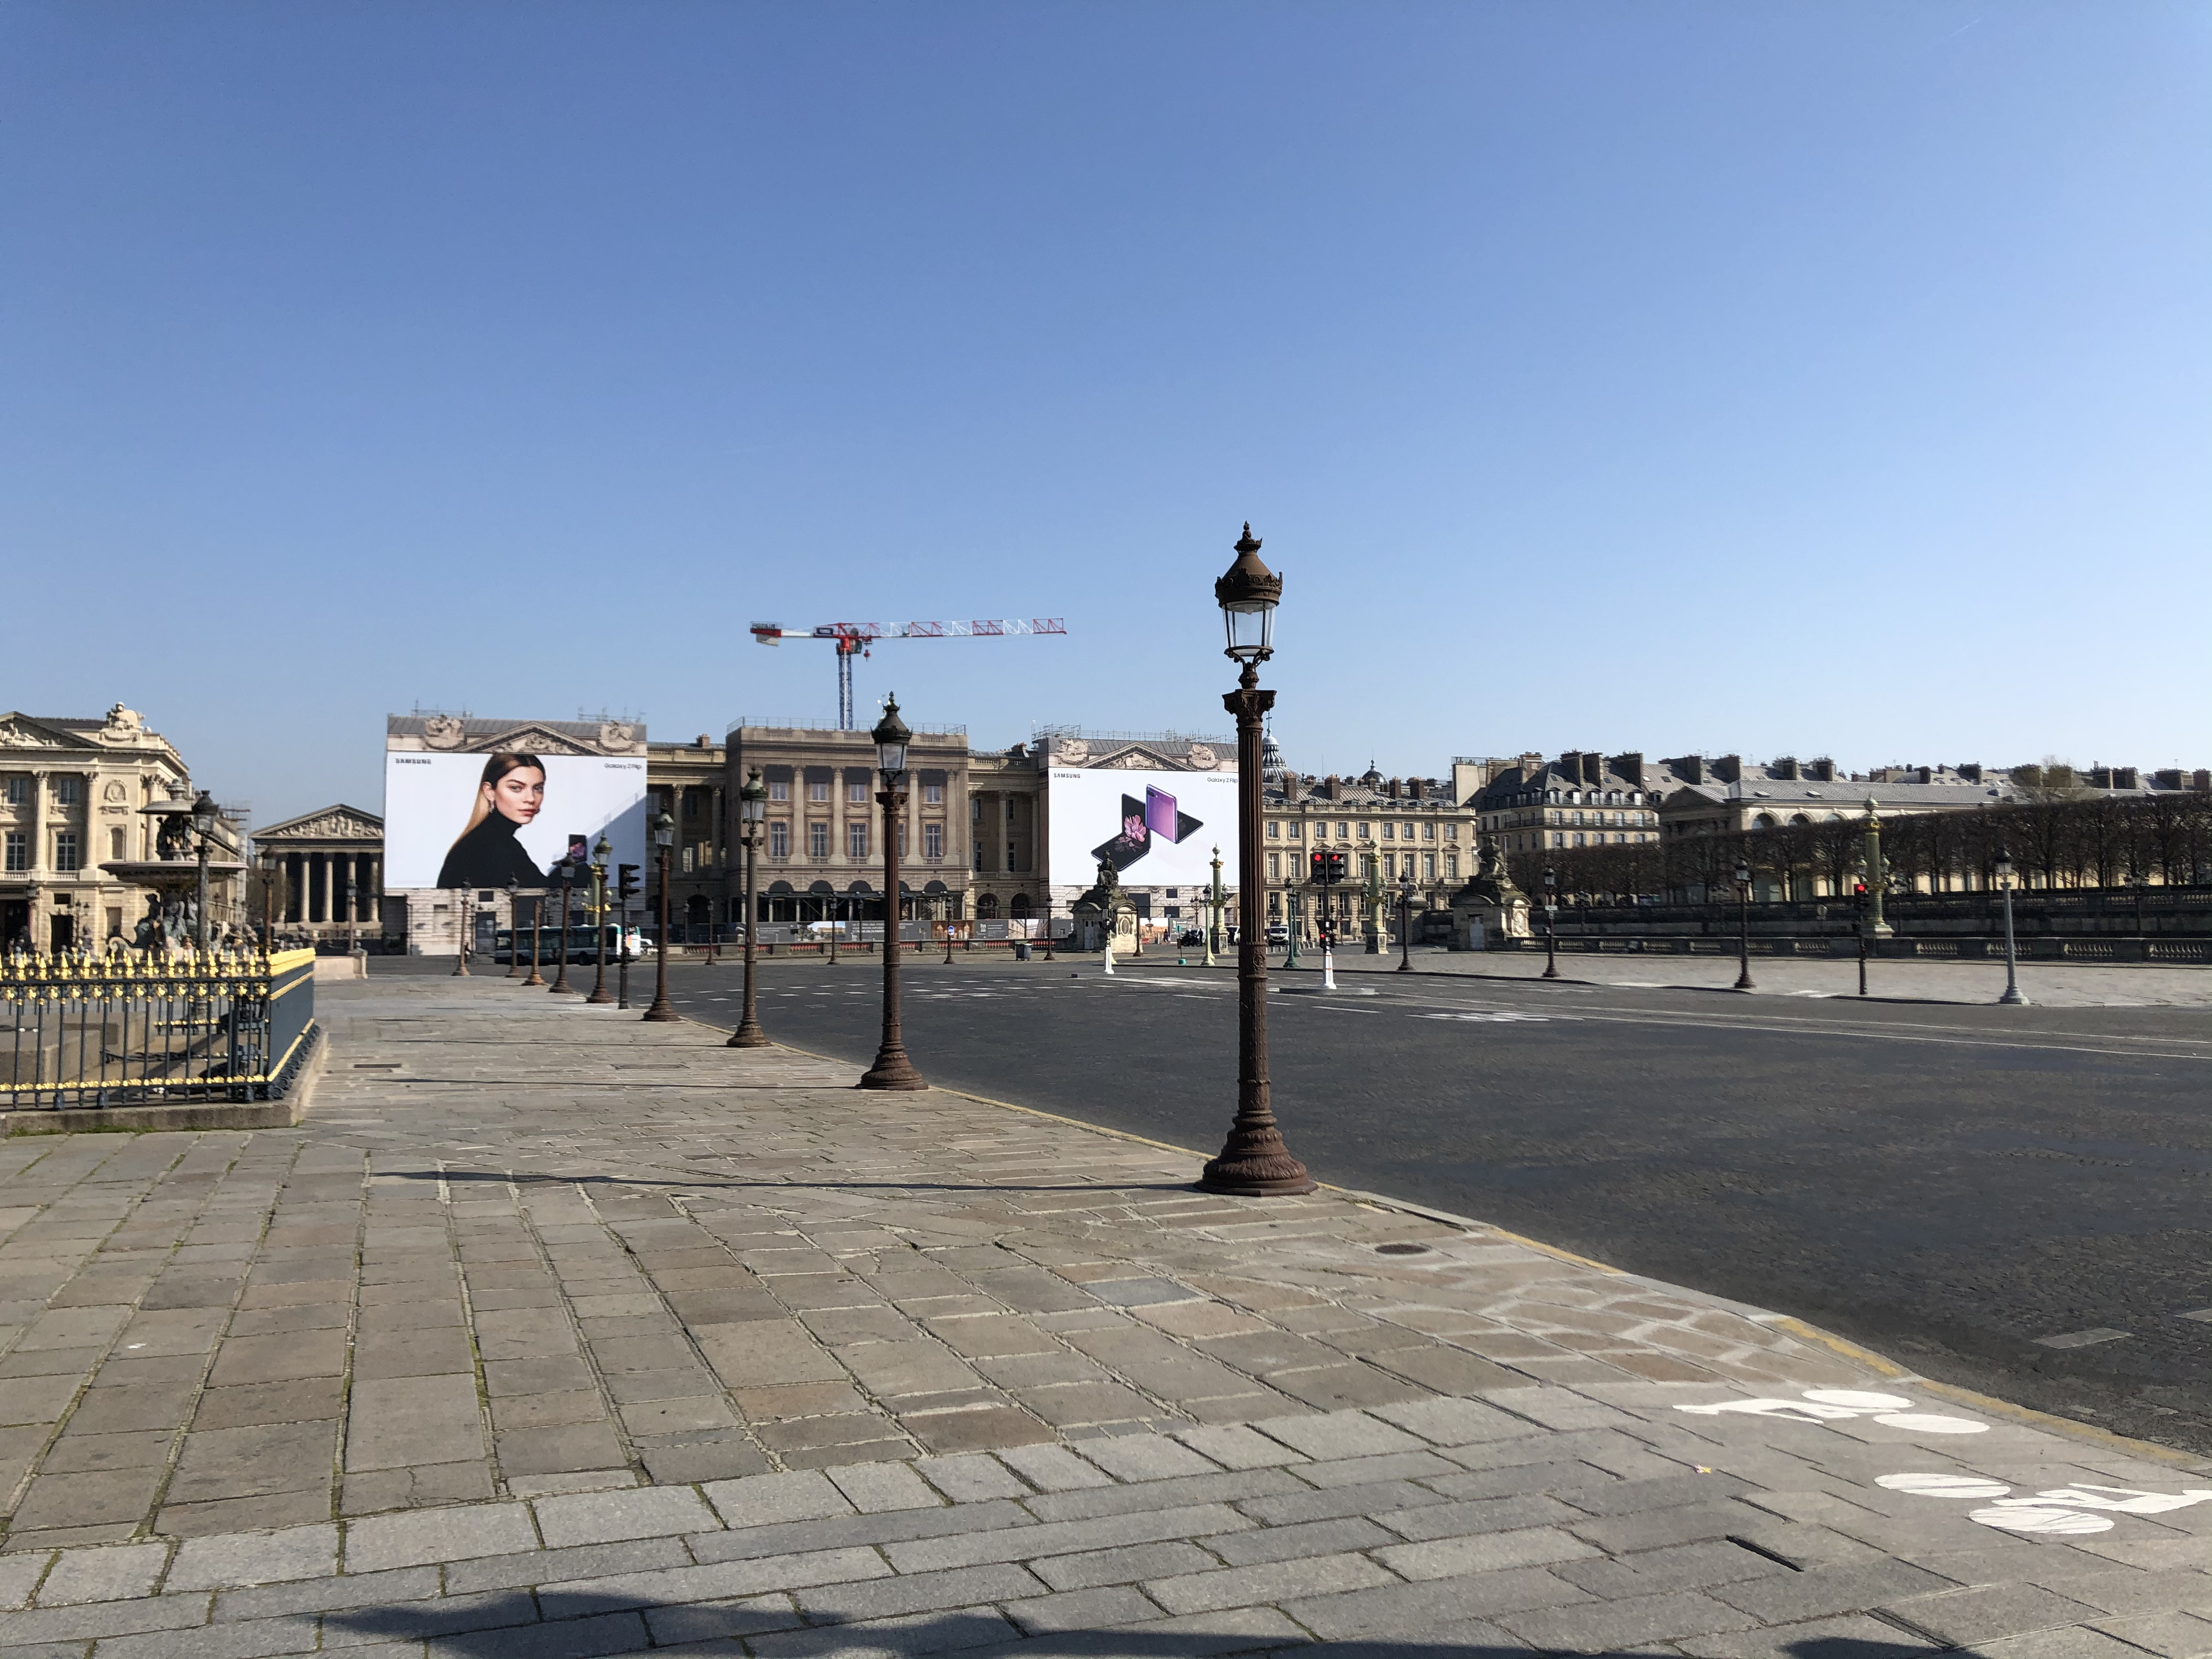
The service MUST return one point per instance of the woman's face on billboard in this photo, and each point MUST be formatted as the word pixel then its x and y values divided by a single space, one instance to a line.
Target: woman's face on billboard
pixel 519 794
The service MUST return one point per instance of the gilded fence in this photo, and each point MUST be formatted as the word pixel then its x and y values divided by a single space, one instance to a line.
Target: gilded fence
pixel 136 1028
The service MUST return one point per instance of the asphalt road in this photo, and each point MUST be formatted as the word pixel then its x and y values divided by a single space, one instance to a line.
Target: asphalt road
pixel 1946 1185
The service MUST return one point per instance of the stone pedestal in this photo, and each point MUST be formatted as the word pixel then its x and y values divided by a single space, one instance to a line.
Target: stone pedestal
pixel 1489 911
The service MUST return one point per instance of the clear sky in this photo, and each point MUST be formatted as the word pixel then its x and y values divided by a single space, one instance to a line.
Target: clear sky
pixel 1764 378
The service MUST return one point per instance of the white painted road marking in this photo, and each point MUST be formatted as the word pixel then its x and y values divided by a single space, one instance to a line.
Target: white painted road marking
pixel 2082 1338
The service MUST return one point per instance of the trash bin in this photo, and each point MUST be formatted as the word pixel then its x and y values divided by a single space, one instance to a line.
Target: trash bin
pixel 1021 950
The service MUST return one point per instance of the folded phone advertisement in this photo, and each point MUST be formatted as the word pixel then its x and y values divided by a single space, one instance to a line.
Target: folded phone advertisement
pixel 1155 828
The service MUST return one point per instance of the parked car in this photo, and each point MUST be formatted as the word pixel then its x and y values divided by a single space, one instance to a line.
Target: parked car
pixel 1279 933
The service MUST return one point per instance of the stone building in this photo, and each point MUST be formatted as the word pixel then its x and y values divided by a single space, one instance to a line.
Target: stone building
pixel 1391 827
pixel 1577 800
pixel 689 782
pixel 327 886
pixel 1727 794
pixel 74 796
pixel 821 858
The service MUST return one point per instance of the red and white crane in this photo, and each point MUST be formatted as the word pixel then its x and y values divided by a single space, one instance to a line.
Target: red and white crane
pixel 853 639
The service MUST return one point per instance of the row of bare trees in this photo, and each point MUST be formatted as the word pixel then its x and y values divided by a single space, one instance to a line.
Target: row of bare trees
pixel 2165 838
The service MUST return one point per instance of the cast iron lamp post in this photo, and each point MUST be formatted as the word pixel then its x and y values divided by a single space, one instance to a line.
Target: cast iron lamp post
pixel 598 868
pixel 2139 881
pixel 204 824
pixel 892 1069
pixel 463 921
pixel 2012 998
pixel 514 929
pixel 560 949
pixel 1213 912
pixel 1253 1161
pixel 1406 924
pixel 1551 923
pixel 270 863
pixel 537 921
pixel 664 842
pixel 752 816
pixel 1743 925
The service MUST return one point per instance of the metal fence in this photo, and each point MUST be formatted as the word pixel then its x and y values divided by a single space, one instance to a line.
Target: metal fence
pixel 137 1028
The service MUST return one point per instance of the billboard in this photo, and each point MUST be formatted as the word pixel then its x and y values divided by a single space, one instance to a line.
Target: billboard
pixel 447 825
pixel 1158 829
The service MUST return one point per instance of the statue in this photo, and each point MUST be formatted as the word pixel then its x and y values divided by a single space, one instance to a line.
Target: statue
pixel 1490 907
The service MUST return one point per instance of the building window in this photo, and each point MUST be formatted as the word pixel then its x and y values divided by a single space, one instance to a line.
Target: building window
pixel 1429 829
pixel 1275 828
pixel 1451 867
pixel 69 790
pixel 856 839
pixel 818 839
pixel 690 859
pixel 933 794
pixel 1010 810
pixel 1451 832
pixel 115 844
pixel 1275 905
pixel 1366 832
pixel 1274 866
pixel 115 921
pixel 779 791
pixel 1297 831
pixel 691 802
pixel 1389 866
pixel 19 850
pixel 932 841
pixel 65 853
pixel 779 840
pixel 1428 867
pixel 856 794
pixel 819 792
pixel 18 789
pixel 1344 832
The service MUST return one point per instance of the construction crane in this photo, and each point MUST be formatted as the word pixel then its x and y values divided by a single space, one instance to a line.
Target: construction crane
pixel 853 639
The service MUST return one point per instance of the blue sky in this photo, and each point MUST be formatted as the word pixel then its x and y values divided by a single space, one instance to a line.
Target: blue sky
pixel 1773 378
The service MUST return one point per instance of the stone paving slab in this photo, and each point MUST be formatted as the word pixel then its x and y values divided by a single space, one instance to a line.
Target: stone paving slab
pixel 551 1332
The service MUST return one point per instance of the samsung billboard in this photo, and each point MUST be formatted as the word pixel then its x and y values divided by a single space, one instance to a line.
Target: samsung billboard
pixel 1155 828
pixel 478 820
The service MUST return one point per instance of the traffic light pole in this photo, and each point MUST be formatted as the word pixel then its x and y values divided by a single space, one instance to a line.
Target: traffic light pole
pixel 626 887
pixel 1327 869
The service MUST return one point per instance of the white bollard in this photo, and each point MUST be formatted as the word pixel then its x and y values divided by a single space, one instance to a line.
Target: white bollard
pixel 1110 951
pixel 1327 965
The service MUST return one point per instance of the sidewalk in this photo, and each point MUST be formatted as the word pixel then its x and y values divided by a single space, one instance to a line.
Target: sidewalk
pixel 554 1333
pixel 2053 985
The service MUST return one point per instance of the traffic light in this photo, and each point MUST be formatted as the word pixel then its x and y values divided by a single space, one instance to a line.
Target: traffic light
pixel 1319 862
pixel 1337 862
pixel 627 884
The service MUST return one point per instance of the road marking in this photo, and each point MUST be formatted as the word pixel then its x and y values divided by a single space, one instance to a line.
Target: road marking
pixel 2063 1511
pixel 1500 1017
pixel 2203 1316
pixel 1834 1405
pixel 2081 1339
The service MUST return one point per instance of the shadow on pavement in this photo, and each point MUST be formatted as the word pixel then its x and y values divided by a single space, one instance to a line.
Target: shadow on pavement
pixel 517 1625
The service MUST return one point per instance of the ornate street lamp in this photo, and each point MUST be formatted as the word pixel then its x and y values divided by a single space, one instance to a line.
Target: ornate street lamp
pixel 1405 923
pixel 561 957
pixel 601 852
pixel 203 815
pixel 271 862
pixel 1551 923
pixel 2012 998
pixel 892 1069
pixel 1743 924
pixel 1213 912
pixel 1254 1162
pixel 536 920
pixel 752 819
pixel 664 842
pixel 513 928
pixel 2139 881
pixel 464 917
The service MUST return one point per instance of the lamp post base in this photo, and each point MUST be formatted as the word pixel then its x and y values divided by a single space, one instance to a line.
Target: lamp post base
pixel 892 1070
pixel 748 1036
pixel 2012 998
pixel 1255 1163
pixel 660 1013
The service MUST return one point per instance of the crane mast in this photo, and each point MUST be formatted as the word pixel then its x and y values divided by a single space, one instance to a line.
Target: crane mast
pixel 853 639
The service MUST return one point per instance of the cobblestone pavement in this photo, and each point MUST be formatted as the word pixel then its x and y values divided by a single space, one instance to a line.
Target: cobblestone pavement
pixel 553 1332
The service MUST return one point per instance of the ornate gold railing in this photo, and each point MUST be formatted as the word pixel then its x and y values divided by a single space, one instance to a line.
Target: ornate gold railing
pixel 80 1029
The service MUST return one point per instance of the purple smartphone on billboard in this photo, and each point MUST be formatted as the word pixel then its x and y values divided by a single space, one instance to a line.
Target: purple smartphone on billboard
pixel 1158 815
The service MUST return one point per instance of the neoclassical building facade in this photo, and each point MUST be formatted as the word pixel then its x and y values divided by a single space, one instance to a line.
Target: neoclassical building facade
pixel 321 875
pixel 75 795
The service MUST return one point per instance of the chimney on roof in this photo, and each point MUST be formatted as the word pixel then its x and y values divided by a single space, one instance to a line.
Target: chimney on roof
pixel 1822 771
pixel 2100 777
pixel 1923 774
pixel 1728 769
pixel 1971 770
pixel 1291 784
pixel 1593 769
pixel 1330 786
pixel 1787 770
pixel 1629 766
pixel 1571 768
pixel 1691 766
pixel 1530 764
pixel 1390 788
pixel 2201 781
pixel 2170 779
pixel 2126 777
pixel 705 742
